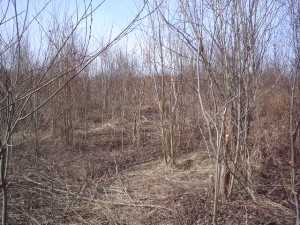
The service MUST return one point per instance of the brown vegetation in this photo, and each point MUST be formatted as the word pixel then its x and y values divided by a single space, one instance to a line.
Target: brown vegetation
pixel 203 127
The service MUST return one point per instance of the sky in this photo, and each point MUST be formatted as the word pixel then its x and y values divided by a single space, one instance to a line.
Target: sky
pixel 108 20
pixel 114 16
pixel 119 12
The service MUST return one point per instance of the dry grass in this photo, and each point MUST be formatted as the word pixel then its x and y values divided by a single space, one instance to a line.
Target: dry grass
pixel 154 190
pixel 104 180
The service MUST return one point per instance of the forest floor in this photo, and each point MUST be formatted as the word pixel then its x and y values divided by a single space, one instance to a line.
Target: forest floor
pixel 104 180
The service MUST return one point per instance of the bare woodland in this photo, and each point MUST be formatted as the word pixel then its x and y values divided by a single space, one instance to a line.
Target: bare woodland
pixel 198 123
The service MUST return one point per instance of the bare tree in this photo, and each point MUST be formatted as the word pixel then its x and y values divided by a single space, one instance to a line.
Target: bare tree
pixel 157 67
pixel 63 62
pixel 294 12
pixel 228 41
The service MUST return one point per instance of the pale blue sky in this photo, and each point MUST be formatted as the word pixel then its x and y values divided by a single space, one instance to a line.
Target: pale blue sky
pixel 108 20
pixel 112 14
pixel 118 11
pixel 115 15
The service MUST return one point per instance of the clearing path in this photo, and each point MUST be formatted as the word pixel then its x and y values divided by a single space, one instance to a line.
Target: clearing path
pixel 153 193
